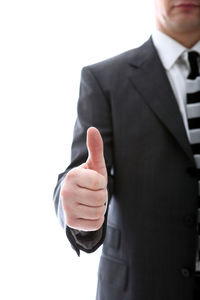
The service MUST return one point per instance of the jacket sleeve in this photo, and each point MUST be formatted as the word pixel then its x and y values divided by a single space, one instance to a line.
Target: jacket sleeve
pixel 93 109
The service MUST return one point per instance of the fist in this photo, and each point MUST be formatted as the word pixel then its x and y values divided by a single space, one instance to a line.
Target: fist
pixel 84 191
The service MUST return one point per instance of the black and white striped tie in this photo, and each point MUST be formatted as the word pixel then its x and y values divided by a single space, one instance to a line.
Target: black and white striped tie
pixel 193 115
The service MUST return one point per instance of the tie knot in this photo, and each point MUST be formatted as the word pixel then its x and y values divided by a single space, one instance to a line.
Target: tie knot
pixel 193 57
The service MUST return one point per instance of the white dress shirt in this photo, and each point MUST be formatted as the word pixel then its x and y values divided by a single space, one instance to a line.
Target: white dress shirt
pixel 174 59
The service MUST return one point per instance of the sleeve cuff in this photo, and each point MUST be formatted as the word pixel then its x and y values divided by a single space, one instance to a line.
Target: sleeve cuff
pixel 87 239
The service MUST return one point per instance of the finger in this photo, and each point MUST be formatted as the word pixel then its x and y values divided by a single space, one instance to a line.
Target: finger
pixel 85 225
pixel 96 159
pixel 91 198
pixel 89 213
pixel 86 178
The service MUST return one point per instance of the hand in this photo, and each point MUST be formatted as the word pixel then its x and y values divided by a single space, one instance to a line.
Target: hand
pixel 84 191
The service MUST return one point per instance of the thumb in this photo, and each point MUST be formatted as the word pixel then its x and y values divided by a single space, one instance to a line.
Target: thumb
pixel 96 159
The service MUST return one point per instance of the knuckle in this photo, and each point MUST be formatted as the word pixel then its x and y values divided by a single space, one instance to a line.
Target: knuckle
pixel 69 204
pixel 96 213
pixel 103 210
pixel 99 213
pixel 70 221
pixel 98 223
pixel 95 181
pixel 71 175
pixel 66 193
pixel 102 195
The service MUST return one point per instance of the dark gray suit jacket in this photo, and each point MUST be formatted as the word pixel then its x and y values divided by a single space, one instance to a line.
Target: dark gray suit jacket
pixel 149 235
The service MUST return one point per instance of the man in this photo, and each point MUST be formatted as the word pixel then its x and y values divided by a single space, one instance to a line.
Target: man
pixel 139 196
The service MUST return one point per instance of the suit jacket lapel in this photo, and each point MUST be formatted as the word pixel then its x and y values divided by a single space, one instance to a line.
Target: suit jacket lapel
pixel 159 95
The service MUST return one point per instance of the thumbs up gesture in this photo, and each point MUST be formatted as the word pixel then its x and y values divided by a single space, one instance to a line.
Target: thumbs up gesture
pixel 84 192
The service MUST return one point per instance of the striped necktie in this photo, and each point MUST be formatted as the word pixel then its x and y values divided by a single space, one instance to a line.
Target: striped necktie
pixel 193 115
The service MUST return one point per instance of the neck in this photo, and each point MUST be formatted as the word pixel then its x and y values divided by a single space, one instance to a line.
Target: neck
pixel 187 39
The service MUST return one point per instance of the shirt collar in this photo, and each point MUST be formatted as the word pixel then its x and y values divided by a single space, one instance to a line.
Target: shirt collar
pixel 170 50
pixel 196 47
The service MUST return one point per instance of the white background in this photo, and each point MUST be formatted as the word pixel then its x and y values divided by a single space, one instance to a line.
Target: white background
pixel 43 46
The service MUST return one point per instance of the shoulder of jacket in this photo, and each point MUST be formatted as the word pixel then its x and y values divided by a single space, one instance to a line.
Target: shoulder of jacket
pixel 120 59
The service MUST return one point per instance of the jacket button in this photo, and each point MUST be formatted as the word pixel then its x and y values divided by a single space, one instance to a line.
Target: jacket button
pixel 185 272
pixel 193 172
pixel 189 220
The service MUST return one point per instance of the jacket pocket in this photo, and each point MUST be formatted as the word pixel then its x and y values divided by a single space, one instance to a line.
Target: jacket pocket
pixel 114 272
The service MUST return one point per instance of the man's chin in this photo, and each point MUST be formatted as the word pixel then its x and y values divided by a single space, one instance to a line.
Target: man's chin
pixel 186 24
